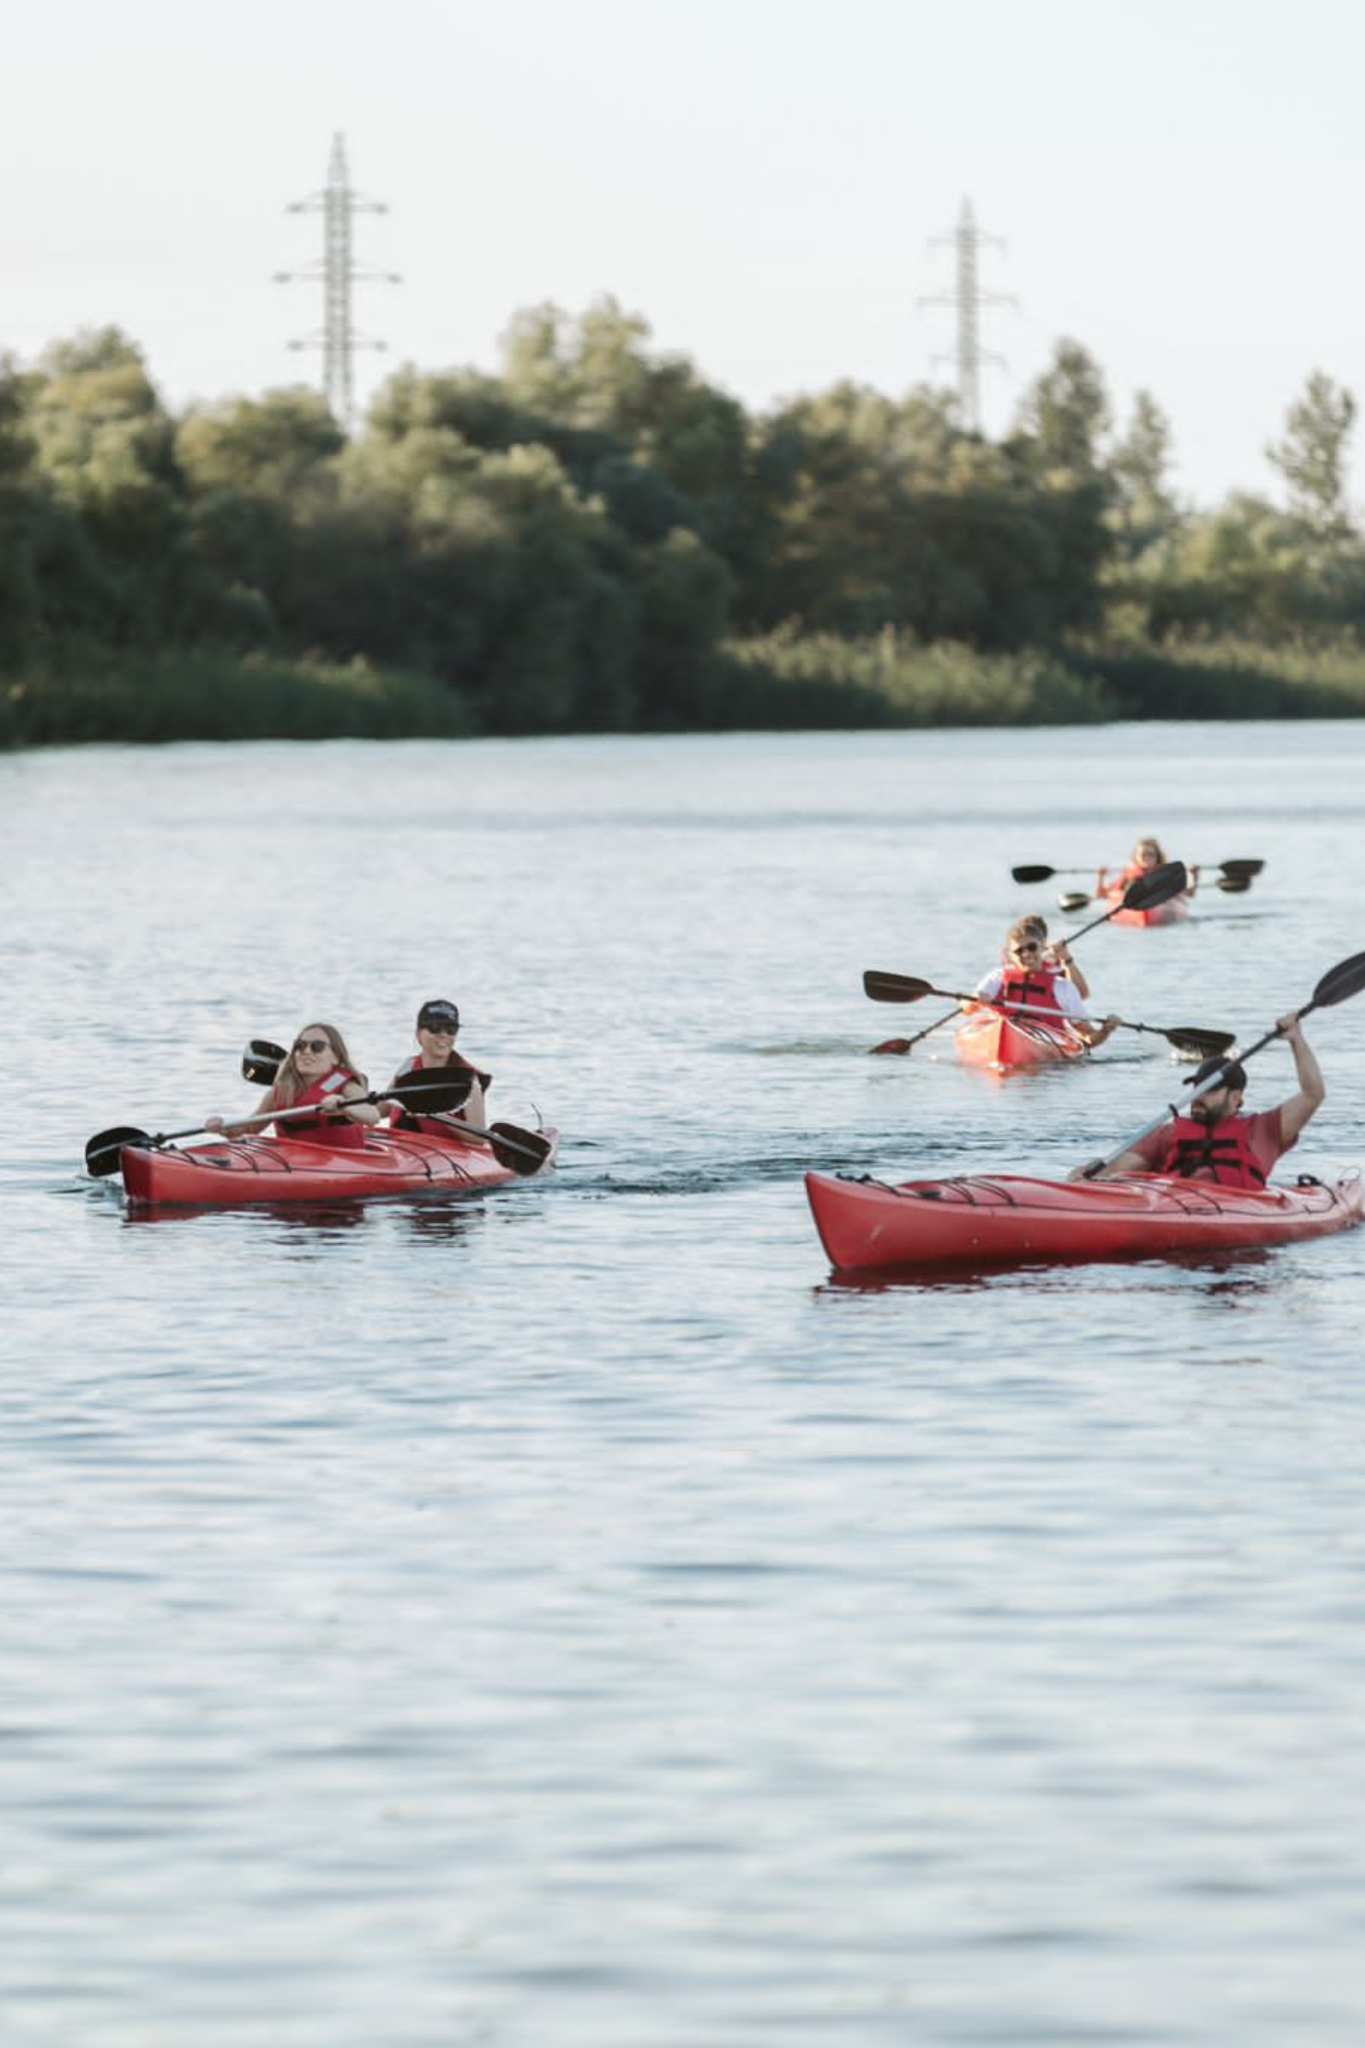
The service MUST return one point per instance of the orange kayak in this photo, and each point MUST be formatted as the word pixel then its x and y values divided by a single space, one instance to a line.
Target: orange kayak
pixel 1174 911
pixel 233 1170
pixel 1004 1219
pixel 987 1038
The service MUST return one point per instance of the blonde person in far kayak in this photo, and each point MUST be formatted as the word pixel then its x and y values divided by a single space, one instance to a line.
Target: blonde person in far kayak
pixel 438 1024
pixel 1147 854
pixel 1039 992
pixel 1214 1141
pixel 317 1069
pixel 1057 953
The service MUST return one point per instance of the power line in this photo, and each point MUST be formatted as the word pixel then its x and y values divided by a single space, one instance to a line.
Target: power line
pixel 337 338
pixel 969 301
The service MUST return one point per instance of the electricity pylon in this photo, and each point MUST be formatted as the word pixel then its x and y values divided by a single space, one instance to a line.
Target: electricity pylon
pixel 969 300
pixel 337 337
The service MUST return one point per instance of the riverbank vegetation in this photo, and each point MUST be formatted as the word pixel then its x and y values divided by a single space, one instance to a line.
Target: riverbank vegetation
pixel 597 539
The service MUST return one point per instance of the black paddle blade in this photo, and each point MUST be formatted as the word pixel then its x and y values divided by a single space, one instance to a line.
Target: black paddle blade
pixel 1033 874
pixel 1347 978
pixel 104 1152
pixel 1147 891
pixel 1073 902
pixel 435 1090
pixel 895 988
pixel 891 1045
pixel 519 1151
pixel 1234 885
pixel 1249 868
pixel 262 1061
pixel 1206 1044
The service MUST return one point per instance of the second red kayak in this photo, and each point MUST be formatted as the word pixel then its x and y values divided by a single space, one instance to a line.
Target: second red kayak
pixel 980 1219
pixel 233 1170
pixel 1174 911
pixel 987 1038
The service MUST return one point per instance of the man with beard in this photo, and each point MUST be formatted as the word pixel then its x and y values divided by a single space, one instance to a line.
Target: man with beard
pixel 1213 1141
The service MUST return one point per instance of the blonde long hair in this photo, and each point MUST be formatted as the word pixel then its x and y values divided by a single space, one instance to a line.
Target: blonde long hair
pixel 289 1083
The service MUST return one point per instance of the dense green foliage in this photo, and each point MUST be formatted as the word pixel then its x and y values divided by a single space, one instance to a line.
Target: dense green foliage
pixel 598 539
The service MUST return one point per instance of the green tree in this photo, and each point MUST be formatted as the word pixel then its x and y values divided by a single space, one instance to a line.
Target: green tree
pixel 1312 457
pixel 1064 416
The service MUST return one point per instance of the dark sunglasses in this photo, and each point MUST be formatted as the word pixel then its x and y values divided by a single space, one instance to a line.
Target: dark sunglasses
pixel 439 1027
pixel 1028 946
pixel 312 1045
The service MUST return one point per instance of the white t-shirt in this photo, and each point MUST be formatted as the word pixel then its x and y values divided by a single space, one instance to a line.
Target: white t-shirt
pixel 1064 995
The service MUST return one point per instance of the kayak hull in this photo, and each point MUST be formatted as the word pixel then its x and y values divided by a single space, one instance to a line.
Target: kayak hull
pixel 235 1170
pixel 1173 912
pixel 1001 1219
pixel 988 1039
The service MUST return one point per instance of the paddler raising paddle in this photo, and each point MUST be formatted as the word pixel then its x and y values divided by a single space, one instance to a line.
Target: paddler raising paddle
pixel 1037 990
pixel 1214 1141
pixel 317 1069
pixel 1058 954
pixel 438 1023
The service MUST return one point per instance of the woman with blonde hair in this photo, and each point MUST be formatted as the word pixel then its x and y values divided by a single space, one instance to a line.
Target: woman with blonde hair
pixel 317 1070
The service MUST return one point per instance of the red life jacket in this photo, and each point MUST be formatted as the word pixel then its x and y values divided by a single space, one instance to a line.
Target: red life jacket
pixel 409 1120
pixel 342 1134
pixel 1035 988
pixel 1217 1152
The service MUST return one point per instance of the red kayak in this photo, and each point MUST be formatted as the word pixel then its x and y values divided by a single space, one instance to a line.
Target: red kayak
pixel 233 1170
pixel 1173 911
pixel 990 1039
pixel 1002 1219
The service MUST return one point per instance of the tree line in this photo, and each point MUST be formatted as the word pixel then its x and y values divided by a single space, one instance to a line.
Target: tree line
pixel 596 538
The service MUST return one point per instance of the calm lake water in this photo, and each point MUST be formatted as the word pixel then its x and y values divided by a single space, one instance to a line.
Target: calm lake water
pixel 571 1618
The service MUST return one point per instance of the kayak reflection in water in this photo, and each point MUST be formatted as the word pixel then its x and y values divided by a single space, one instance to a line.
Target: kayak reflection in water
pixel 438 1024
pixel 1147 855
pixel 1036 989
pixel 1214 1141
pixel 317 1069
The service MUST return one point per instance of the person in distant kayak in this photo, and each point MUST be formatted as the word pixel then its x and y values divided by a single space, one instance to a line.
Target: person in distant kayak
pixel 1146 856
pixel 438 1025
pixel 1058 954
pixel 316 1070
pixel 1037 990
pixel 1214 1141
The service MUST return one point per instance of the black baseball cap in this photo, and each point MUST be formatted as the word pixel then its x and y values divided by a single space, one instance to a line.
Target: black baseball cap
pixel 436 1013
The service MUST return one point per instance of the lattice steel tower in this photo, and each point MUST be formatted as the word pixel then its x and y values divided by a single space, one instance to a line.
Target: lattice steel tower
pixel 969 300
pixel 337 337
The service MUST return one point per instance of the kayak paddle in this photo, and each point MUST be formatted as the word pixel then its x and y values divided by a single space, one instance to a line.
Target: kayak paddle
pixel 423 1091
pixel 518 1150
pixel 1339 983
pixel 1249 868
pixel 1073 901
pixel 904 1044
pixel 907 988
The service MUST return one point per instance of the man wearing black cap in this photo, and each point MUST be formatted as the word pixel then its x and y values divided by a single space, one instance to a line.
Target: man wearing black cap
pixel 438 1022
pixel 1213 1141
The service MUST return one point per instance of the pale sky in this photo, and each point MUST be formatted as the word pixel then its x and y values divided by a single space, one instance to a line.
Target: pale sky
pixel 1178 183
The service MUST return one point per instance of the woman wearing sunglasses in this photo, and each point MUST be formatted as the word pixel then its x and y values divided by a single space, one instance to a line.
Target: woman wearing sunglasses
pixel 317 1070
pixel 438 1024
pixel 1028 982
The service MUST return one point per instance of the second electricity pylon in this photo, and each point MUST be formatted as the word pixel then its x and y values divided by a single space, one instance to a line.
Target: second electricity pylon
pixel 337 338
pixel 969 299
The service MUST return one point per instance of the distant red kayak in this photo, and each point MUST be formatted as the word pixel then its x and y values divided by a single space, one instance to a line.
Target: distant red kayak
pixel 989 1039
pixel 1001 1219
pixel 1174 911
pixel 234 1170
